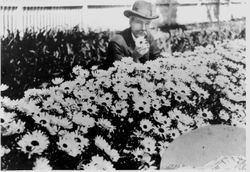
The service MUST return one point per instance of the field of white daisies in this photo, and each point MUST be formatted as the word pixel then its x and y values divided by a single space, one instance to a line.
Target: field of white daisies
pixel 126 116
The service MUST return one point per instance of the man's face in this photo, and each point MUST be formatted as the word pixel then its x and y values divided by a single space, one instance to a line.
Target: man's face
pixel 139 26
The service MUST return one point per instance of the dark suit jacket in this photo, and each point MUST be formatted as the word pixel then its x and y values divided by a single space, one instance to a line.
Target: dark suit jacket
pixel 123 45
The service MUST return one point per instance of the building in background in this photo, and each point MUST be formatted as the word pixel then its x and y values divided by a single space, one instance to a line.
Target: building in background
pixel 108 14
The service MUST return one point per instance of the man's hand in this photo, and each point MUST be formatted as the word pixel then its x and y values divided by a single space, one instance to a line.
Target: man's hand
pixel 141 48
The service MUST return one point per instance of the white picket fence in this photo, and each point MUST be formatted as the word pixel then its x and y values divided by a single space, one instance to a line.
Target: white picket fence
pixel 65 14
pixel 39 14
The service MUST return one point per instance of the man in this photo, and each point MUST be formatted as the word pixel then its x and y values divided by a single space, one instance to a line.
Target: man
pixel 135 41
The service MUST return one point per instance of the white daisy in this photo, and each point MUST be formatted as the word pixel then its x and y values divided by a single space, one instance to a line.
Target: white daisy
pixel 146 125
pixel 62 122
pixel 83 120
pixel 181 117
pixel 79 82
pixel 47 104
pixel 8 103
pixel 69 145
pixel 100 73
pixel 161 131
pixel 147 163
pixel 163 146
pixel 57 81
pixel 81 72
pixel 103 145
pixel 67 87
pixel 122 94
pixel 7 117
pixel 200 122
pixel 53 129
pixel 57 106
pixel 98 163
pixel 199 90
pixel 124 112
pixel 29 107
pixel 156 103
pixel 183 89
pixel 181 98
pixel 158 116
pixel 91 109
pixel 56 93
pixel 80 94
pixel 79 139
pixel 82 129
pixel 138 134
pixel 149 145
pixel 183 127
pixel 104 81
pixel 106 124
pixel 237 121
pixel 227 104
pixel 173 133
pixel 127 60
pixel 91 85
pixel 76 69
pixel 42 119
pixel 205 114
pixel 13 128
pixel 138 153
pixel 69 103
pixel 120 108
pixel 3 87
pixel 114 155
pixel 175 114
pixel 224 115
pixel 4 150
pixel 33 143
pixel 142 105
pixel 147 86
pixel 41 164
pixel 119 84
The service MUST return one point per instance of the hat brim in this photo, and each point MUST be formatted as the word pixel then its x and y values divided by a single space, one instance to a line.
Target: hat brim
pixel 129 13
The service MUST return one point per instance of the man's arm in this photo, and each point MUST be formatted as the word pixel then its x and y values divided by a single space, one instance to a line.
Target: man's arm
pixel 115 51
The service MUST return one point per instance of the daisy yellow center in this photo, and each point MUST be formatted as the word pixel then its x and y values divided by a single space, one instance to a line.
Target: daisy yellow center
pixel 77 139
pixel 161 130
pixel 204 114
pixel 35 143
pixel 90 110
pixel 43 121
pixel 141 108
pixel 28 148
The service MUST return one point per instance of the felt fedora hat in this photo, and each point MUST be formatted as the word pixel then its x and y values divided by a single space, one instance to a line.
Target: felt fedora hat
pixel 142 9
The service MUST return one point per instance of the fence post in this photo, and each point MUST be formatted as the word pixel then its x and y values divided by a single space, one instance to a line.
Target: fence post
pixel 84 15
pixel 19 17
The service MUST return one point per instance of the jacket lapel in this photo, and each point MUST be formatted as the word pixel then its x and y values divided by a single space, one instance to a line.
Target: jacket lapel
pixel 127 35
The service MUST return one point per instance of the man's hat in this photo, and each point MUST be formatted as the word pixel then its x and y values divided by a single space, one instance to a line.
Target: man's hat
pixel 142 9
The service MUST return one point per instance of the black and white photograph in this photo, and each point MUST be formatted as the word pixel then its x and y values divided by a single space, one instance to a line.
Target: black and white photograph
pixel 123 85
